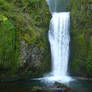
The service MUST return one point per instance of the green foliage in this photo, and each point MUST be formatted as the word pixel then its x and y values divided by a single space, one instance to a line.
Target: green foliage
pixel 32 1
pixel 8 52
pixel 81 34
pixel 35 88
pixel 89 64
pixel 89 58
pixel 21 20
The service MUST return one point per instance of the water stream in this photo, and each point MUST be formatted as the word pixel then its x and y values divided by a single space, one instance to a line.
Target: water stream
pixel 59 39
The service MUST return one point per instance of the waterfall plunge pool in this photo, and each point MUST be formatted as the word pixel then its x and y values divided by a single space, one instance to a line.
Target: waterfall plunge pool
pixel 26 86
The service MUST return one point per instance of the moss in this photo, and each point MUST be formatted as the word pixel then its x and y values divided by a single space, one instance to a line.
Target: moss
pixel 35 88
pixel 89 58
pixel 80 38
pixel 22 20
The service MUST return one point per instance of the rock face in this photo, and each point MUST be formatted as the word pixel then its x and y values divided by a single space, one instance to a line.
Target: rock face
pixel 26 43
pixel 81 38
pixel 30 55
pixel 35 52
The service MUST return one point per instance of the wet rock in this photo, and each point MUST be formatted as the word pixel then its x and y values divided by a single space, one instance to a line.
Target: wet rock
pixel 57 87
pixel 61 85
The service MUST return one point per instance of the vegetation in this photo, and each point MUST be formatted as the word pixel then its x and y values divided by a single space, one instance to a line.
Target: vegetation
pixel 81 37
pixel 22 20
pixel 8 44
pixel 24 47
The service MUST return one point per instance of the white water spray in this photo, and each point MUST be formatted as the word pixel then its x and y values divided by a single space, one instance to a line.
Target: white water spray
pixel 59 39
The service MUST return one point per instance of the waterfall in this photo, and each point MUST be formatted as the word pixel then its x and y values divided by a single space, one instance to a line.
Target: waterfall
pixel 59 41
pixel 57 5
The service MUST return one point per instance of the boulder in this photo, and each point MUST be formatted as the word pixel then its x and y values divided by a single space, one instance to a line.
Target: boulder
pixel 57 87
pixel 61 85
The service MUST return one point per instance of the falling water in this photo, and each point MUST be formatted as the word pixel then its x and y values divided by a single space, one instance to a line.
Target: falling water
pixel 59 39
